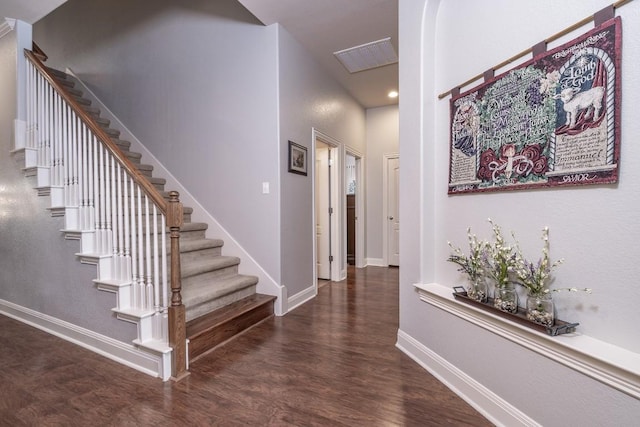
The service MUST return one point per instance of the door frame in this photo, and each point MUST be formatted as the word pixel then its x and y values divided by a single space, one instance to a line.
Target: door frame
pixel 360 221
pixel 385 206
pixel 338 219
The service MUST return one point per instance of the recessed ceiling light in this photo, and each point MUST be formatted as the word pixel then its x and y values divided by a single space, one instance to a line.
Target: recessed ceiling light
pixel 393 94
pixel 369 55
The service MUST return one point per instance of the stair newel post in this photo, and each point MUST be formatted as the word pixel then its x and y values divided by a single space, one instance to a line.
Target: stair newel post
pixel 177 322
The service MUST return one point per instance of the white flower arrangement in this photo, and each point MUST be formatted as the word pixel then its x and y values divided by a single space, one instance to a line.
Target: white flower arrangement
pixel 471 264
pixel 536 278
pixel 499 258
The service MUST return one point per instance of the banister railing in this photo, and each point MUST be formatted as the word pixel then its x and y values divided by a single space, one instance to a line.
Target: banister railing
pixel 119 216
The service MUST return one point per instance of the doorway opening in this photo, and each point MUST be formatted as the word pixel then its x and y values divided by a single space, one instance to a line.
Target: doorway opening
pixel 391 211
pixel 329 232
pixel 354 207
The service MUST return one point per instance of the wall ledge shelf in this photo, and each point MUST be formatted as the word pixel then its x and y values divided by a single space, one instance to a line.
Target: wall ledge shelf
pixel 612 365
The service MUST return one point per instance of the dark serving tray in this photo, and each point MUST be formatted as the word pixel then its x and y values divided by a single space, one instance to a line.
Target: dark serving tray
pixel 560 326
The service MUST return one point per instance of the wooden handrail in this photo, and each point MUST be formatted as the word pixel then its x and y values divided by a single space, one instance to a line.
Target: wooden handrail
pixel 128 166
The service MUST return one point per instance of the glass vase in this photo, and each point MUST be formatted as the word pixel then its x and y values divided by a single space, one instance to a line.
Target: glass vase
pixel 477 290
pixel 541 310
pixel 505 298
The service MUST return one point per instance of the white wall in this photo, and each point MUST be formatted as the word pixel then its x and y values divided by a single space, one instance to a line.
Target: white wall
pixel 38 267
pixel 309 98
pixel 382 138
pixel 593 228
pixel 196 83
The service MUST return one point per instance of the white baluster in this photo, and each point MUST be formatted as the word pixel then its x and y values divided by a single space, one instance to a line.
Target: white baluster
pixel 115 209
pixel 156 260
pixel 148 276
pixel 134 252
pixel 127 229
pixel 140 284
pixel 50 126
pixel 40 113
pixel 165 289
pixel 68 122
pixel 42 105
pixel 101 186
pixel 91 146
pixel 100 201
pixel 94 190
pixel 108 210
pixel 30 100
pixel 77 132
pixel 118 222
pixel 55 152
pixel 45 125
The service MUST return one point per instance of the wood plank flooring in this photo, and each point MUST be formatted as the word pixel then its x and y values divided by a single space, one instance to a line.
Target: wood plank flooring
pixel 330 362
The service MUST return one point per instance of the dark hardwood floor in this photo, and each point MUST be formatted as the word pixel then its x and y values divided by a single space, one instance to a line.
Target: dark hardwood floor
pixel 330 362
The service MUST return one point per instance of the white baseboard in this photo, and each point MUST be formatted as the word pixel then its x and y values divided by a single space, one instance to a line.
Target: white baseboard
pixel 302 297
pixel 490 405
pixel 117 351
pixel 375 262
pixel 266 284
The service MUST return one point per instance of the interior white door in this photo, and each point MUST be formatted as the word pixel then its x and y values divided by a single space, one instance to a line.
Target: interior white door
pixel 393 211
pixel 322 212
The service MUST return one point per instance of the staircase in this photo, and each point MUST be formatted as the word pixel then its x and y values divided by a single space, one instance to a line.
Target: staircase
pixel 219 302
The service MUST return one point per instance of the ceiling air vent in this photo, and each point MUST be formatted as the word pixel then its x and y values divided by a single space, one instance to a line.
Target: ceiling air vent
pixel 368 56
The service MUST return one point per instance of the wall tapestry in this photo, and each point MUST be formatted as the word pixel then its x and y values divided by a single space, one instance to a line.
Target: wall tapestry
pixel 552 121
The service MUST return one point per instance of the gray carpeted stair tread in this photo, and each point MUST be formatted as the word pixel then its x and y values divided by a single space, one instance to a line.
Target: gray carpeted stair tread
pixel 57 73
pixel 73 91
pixel 208 265
pixel 93 111
pixel 82 101
pixel 123 144
pixel 199 244
pixel 210 291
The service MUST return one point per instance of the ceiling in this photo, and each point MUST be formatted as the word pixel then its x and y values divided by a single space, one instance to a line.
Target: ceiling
pixel 321 26
pixel 28 11
pixel 327 26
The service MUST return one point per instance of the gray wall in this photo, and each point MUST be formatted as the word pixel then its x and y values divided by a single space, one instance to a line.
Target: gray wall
pixel 38 267
pixel 196 82
pixel 594 228
pixel 382 139
pixel 308 99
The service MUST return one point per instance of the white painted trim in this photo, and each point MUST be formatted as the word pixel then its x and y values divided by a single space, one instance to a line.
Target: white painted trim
pixel 110 348
pixel 7 26
pixel 609 364
pixel 303 296
pixel 376 262
pixel 266 283
pixel 490 405
pixel 338 194
pixel 385 207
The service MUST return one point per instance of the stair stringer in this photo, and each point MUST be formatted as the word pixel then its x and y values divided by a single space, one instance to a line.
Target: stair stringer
pixel 266 284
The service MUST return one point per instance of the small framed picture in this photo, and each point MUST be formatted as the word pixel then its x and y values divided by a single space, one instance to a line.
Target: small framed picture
pixel 297 158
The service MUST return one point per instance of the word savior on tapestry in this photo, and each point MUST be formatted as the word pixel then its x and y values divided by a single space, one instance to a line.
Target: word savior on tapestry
pixel 551 121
